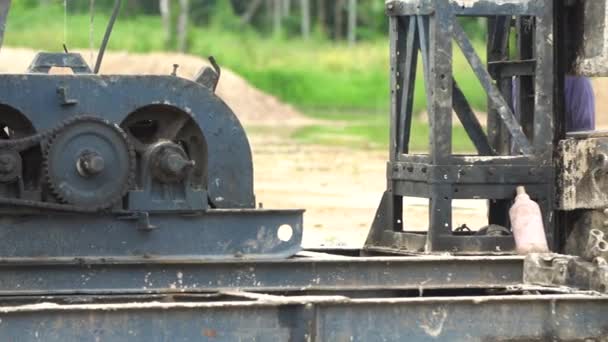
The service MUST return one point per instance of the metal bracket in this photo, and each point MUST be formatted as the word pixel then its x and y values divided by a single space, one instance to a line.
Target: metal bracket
pixel 209 76
pixel 64 98
pixel 569 271
pixel 143 220
pixel 44 61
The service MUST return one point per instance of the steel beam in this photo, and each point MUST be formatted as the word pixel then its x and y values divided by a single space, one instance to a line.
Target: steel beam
pixel 19 277
pixel 213 234
pixel 272 318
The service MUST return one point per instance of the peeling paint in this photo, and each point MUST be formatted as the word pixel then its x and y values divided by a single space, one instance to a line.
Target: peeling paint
pixel 436 320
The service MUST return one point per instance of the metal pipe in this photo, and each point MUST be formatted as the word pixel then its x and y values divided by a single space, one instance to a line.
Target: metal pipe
pixel 106 37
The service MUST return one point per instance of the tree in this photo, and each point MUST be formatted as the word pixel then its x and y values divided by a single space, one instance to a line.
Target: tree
pixel 286 8
pixel 253 7
pixel 352 21
pixel 305 13
pixel 165 13
pixel 277 16
pixel 339 19
pixel 322 15
pixel 182 25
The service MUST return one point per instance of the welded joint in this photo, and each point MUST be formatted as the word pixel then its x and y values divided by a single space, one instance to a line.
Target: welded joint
pixel 554 270
pixel 546 269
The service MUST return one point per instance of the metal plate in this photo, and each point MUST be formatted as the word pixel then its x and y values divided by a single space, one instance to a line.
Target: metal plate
pixel 225 234
pixel 313 274
pixel 272 318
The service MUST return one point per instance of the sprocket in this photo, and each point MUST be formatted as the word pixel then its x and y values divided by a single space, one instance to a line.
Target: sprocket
pixel 90 163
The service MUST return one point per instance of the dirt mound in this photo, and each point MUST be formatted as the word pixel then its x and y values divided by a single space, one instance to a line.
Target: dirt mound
pixel 250 104
pixel 600 86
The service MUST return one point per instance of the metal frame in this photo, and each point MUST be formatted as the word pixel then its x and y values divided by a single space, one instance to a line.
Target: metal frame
pixel 518 147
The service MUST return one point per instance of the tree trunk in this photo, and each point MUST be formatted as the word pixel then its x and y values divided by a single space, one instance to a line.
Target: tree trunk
pixel 352 21
pixel 132 7
pixel 305 9
pixel 4 8
pixel 182 25
pixel 165 13
pixel 322 15
pixel 253 7
pixel 286 8
pixel 277 17
pixel 339 19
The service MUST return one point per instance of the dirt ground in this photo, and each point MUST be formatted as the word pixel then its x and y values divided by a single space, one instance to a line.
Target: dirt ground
pixel 340 188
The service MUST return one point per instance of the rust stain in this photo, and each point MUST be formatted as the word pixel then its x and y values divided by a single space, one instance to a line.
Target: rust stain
pixel 209 333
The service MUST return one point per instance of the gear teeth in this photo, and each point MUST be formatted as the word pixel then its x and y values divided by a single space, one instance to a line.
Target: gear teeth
pixel 49 138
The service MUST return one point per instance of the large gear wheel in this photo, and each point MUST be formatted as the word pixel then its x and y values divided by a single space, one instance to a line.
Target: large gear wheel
pixel 90 163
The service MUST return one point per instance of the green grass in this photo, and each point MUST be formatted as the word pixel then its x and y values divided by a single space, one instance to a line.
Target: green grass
pixel 317 74
pixel 371 131
pixel 322 78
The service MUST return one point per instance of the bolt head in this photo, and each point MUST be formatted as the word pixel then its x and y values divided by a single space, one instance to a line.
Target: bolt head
pixel 8 163
pixel 90 164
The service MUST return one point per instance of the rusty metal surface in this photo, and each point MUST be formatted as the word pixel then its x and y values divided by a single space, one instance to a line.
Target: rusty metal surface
pixel 581 224
pixel 212 234
pixel 582 182
pixel 590 37
pixel 252 317
pixel 516 150
pixel 567 271
pixel 329 273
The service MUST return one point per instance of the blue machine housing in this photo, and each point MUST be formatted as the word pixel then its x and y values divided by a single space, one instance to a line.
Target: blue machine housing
pixel 210 213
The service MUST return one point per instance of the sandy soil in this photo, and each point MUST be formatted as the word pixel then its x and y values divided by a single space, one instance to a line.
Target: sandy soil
pixel 339 188
pixel 600 86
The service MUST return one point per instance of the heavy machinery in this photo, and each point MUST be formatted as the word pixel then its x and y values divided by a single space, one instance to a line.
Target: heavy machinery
pixel 128 211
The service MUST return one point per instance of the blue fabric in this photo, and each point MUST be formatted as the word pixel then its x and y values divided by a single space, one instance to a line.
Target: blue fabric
pixel 580 104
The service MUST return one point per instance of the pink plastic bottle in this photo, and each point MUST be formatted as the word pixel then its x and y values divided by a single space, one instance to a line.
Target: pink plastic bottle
pixel 527 225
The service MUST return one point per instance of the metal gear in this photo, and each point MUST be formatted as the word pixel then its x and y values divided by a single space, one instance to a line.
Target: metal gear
pixel 169 162
pixel 89 163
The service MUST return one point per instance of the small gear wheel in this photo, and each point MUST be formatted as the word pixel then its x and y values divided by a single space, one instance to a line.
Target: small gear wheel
pixel 90 163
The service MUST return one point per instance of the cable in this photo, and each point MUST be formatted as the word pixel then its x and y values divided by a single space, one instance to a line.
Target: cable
pixel 106 37
pixel 91 29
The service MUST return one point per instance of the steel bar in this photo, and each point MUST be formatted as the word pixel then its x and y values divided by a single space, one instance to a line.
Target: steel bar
pixel 397 35
pixel 129 275
pixel 409 83
pixel 507 69
pixel 469 122
pixel 423 33
pixel 497 49
pixel 545 104
pixel 572 317
pixel 439 78
pixel 210 234
pixel 524 86
pixel 498 101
